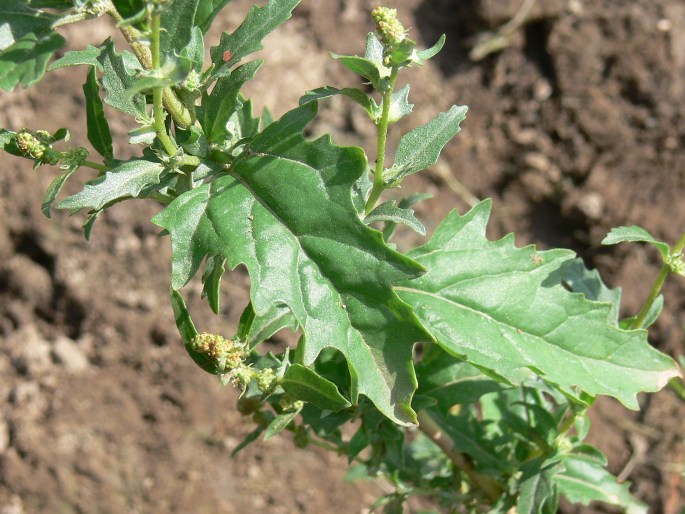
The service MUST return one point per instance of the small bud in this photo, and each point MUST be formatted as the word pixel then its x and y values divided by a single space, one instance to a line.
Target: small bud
pixel 228 354
pixel 266 380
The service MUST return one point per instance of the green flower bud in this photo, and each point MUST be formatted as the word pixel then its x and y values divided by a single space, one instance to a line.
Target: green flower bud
pixel 266 380
pixel 390 30
pixel 29 145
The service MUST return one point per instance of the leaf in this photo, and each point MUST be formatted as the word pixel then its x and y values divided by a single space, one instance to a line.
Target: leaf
pixel 54 189
pixel 451 381
pixel 249 439
pixel 404 203
pixel 217 108
pixel 266 325
pixel 27 42
pixel 211 279
pixel 280 423
pixel 117 80
pixel 389 212
pixel 635 234
pixel 468 436
pixel 306 384
pixel 172 73
pixel 652 315
pixel 584 480
pixel 247 38
pixel 504 309
pixel 399 105
pixel 127 179
pixel 207 11
pixel 99 134
pixel 177 25
pixel 90 56
pixel 428 53
pixel 579 279
pixel 359 96
pixel 285 211
pixel 421 147
pixel 537 488
pixel 362 67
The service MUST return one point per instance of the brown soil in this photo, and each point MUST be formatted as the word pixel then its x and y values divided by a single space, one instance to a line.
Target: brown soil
pixel 576 126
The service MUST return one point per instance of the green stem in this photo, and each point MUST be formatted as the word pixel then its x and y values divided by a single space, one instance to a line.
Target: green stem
pixel 432 429
pixel 656 287
pixel 94 165
pixel 157 107
pixel 378 185
pixel 181 115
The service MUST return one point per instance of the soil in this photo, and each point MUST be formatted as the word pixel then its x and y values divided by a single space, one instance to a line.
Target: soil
pixel 575 126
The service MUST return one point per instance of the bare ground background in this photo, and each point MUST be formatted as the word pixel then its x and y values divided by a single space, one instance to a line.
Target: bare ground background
pixel 577 126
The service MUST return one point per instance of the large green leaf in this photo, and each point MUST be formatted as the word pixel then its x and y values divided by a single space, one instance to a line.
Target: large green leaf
pixel 584 480
pixel 27 41
pixel 127 179
pixel 505 310
pixel 247 38
pixel 285 211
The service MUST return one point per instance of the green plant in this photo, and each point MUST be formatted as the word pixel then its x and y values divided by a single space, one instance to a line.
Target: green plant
pixel 494 352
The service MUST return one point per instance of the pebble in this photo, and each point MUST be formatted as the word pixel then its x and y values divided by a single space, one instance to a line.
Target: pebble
pixel 69 355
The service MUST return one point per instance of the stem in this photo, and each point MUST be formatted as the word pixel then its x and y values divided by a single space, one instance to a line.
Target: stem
pixel 656 287
pixel 430 428
pixel 157 107
pixel 94 165
pixel 378 186
pixel 179 112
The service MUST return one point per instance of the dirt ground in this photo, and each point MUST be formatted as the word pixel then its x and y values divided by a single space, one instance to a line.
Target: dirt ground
pixel 575 126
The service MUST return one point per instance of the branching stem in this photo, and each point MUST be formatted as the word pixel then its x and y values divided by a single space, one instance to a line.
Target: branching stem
pixel 378 186
pixel 656 287
pixel 430 428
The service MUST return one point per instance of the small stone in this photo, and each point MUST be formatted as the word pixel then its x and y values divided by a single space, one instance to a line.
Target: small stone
pixel 31 352
pixel 69 355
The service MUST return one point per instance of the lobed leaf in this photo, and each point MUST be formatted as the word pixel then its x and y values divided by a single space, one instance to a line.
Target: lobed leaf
pixel 224 101
pixel 584 480
pixel 117 79
pixel 504 309
pixel 247 38
pixel 89 56
pixel 390 212
pixel 421 147
pixel 127 179
pixel 27 42
pixel 285 211
pixel 399 105
pixel 579 279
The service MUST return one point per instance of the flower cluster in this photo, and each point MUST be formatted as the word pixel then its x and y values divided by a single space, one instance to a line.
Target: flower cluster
pixel 390 29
